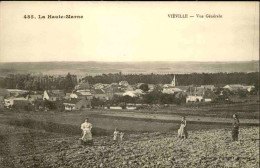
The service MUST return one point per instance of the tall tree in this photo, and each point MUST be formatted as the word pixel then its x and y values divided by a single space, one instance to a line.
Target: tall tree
pixel 69 85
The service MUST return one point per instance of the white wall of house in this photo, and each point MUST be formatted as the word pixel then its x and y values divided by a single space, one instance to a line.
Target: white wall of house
pixel 10 102
pixel 73 96
pixel 207 100
pixel 194 99
pixel 130 107
pixel 115 107
pixel 130 93
pixel 69 106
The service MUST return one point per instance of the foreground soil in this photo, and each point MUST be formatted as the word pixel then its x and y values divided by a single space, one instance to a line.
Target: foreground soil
pixel 204 148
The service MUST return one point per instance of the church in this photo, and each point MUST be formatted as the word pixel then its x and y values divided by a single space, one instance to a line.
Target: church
pixel 171 88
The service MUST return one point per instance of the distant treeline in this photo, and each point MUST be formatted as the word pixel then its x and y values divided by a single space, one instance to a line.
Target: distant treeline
pixel 29 82
pixel 181 79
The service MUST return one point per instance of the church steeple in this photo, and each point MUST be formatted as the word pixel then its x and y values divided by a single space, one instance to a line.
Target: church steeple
pixel 173 81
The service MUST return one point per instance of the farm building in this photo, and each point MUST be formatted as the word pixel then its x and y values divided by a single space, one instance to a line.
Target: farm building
pixel 82 86
pixel 208 87
pixel 118 93
pixel 16 92
pixel 130 93
pixel 123 83
pixel 14 101
pixel 98 86
pixel 34 97
pixel 100 94
pixel 134 93
pixel 209 96
pixel 171 90
pixel 249 88
pixel 194 98
pixel 109 91
pixel 53 95
pixel 76 104
pixel 234 88
pixel 200 95
pixel 84 94
pixel 183 88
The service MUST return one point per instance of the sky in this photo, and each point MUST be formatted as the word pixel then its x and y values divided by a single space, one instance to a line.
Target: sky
pixel 129 31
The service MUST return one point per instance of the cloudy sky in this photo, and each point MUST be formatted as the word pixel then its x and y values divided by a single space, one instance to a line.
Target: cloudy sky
pixel 129 31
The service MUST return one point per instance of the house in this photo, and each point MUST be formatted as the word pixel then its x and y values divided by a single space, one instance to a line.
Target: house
pixel 12 101
pixel 82 86
pixel 114 84
pixel 167 85
pixel 130 93
pixel 115 108
pixel 76 104
pixel 75 95
pixel 195 94
pixel 79 95
pixel 84 93
pixel 138 85
pixel 123 83
pixel 67 96
pixel 98 86
pixel 139 92
pixel 199 94
pixel 194 98
pixel 53 95
pixel 209 96
pixel 249 88
pixel 134 93
pixel 100 94
pixel 58 93
pixel 118 93
pixel 16 91
pixel 234 88
pixel 208 87
pixel 171 90
pixel 130 106
pixel 199 91
pixel 151 86
pixel 109 91
pixel 183 88
pixel 34 96
pixel 180 95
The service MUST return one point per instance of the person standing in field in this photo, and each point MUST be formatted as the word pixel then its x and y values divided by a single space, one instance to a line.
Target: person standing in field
pixel 86 131
pixel 182 132
pixel 122 136
pixel 235 129
pixel 116 135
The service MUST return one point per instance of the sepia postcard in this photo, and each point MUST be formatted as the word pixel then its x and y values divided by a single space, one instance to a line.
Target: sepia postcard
pixel 129 84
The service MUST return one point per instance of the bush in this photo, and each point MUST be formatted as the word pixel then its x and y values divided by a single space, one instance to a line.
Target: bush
pixel 242 93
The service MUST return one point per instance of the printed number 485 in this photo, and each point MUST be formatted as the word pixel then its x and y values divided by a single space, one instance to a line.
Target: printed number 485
pixel 29 17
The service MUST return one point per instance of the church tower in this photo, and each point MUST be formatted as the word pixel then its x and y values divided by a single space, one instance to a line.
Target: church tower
pixel 173 81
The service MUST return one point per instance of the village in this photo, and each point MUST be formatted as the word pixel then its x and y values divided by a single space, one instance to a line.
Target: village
pixel 121 95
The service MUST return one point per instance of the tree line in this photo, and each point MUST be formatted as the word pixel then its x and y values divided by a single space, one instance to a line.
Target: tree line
pixel 181 79
pixel 30 82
